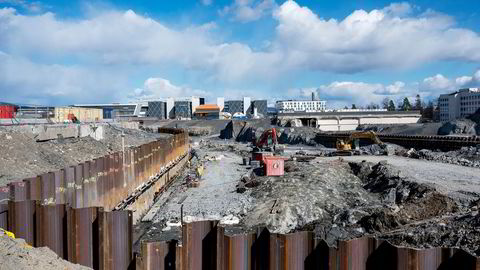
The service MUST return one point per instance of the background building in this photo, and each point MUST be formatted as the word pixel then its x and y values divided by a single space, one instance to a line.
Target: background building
pixel 157 109
pixel 183 109
pixel 301 105
pixel 234 106
pixel 118 110
pixel 459 104
pixel 260 106
pixel 221 103
pixel 207 112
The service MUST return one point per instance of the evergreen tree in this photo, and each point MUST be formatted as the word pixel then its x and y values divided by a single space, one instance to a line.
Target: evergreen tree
pixel 353 106
pixel 406 106
pixel 418 103
pixel 391 106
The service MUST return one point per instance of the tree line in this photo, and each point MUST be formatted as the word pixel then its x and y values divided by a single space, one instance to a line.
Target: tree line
pixel 426 109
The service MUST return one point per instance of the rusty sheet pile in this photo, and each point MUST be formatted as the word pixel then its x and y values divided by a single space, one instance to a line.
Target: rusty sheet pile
pixel 72 211
pixel 208 246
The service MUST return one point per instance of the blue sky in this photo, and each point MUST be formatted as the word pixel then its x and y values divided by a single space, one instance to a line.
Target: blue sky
pixel 65 52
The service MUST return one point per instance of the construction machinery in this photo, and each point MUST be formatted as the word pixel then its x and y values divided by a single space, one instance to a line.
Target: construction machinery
pixel 351 145
pixel 267 142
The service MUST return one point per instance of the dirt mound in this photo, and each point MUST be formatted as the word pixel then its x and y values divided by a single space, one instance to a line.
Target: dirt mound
pixel 408 201
pixel 386 149
pixel 461 232
pixel 17 255
pixel 28 158
pixel 194 127
pixel 461 126
pixel 466 156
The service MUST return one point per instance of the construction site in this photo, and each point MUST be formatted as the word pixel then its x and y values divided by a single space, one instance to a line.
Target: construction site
pixel 239 194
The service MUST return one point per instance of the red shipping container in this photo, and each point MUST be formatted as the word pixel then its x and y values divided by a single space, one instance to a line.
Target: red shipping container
pixel 274 165
pixel 260 155
pixel 7 111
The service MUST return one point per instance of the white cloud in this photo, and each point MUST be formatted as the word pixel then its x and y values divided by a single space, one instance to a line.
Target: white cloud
pixel 207 2
pixel 398 9
pixel 340 93
pixel 439 83
pixel 22 80
pixel 248 10
pixel 160 88
pixel 389 38
pixel 108 45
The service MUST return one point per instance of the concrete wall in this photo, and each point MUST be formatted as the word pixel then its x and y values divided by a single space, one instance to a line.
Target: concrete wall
pixel 52 132
pixel 350 122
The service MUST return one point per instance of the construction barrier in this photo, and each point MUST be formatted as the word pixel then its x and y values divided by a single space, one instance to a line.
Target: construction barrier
pixel 206 246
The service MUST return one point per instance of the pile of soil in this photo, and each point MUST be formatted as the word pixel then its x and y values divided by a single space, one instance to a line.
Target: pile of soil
pixel 27 158
pixel 466 156
pixel 15 254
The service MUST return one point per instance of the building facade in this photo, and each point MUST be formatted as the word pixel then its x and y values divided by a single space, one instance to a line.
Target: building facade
pixel 183 109
pixel 233 106
pixel 260 106
pixel 207 112
pixel 157 109
pixel 459 104
pixel 301 105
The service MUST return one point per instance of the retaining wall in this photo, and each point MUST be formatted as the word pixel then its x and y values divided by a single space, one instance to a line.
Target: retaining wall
pixel 74 211
pixel 207 246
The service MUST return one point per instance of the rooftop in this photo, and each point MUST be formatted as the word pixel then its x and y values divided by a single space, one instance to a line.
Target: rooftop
pixel 207 107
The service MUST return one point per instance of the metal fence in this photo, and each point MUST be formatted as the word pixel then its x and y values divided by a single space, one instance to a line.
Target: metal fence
pixel 71 210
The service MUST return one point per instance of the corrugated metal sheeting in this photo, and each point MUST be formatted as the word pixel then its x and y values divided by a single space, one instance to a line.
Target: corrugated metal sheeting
pixel 207 246
pixel 70 211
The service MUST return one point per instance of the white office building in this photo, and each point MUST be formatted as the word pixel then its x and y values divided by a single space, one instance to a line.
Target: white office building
pixel 301 106
pixel 459 104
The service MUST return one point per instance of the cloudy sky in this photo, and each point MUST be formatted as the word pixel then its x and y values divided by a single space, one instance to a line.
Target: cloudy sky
pixel 66 52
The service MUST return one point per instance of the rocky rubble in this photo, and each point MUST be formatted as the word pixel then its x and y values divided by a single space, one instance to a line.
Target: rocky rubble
pixel 27 158
pixel 466 156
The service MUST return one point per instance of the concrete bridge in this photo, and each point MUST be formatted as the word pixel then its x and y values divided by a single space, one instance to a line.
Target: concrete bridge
pixel 344 121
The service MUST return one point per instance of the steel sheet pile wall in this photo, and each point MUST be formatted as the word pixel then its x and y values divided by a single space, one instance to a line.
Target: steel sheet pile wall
pixel 207 246
pixel 445 143
pixel 70 211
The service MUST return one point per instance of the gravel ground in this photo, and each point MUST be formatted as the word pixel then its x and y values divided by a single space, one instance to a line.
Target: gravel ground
pixel 22 157
pixel 216 196
pixel 214 199
pixel 457 181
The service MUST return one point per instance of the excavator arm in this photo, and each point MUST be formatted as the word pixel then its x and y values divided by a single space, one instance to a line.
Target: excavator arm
pixel 263 140
pixel 364 135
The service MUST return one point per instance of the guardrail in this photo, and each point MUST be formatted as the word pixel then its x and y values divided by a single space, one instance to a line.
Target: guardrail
pixel 72 211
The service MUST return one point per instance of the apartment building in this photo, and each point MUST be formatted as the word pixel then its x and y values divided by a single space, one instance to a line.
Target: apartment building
pixel 459 104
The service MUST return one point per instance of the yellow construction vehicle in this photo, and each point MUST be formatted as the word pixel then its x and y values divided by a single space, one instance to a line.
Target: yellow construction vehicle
pixel 350 146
